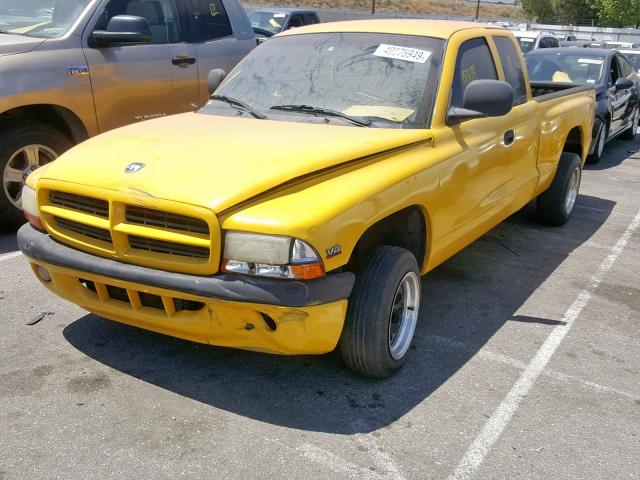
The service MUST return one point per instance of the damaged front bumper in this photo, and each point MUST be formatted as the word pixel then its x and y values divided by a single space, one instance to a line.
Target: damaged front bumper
pixel 262 314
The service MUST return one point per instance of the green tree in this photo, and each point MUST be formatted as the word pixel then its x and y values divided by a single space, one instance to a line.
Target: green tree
pixel 538 9
pixel 559 11
pixel 620 13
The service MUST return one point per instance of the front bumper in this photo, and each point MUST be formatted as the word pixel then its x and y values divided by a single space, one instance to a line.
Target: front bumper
pixel 270 315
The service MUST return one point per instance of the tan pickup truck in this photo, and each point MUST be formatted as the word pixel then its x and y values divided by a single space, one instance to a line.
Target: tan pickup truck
pixel 298 209
pixel 70 69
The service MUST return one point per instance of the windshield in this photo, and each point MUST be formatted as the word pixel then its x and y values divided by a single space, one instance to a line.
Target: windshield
pixel 564 67
pixel 39 18
pixel 526 43
pixel 272 21
pixel 390 80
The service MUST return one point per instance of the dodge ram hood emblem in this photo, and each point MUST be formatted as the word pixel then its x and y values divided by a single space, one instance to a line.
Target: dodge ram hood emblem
pixel 134 167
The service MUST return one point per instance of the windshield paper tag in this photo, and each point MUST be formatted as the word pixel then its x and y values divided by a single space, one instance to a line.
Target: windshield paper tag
pixel 525 39
pixel 402 53
pixel 593 61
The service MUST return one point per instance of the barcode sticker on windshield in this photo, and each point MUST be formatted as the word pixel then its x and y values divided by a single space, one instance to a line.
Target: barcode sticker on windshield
pixel 593 61
pixel 402 53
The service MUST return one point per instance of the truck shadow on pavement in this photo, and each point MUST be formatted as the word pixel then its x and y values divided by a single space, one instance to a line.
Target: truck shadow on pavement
pixel 8 243
pixel 465 302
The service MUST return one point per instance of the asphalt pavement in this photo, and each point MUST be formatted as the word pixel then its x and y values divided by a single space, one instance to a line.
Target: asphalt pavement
pixel 525 364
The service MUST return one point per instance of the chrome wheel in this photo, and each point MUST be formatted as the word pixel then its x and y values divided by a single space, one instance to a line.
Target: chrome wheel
pixel 404 315
pixel 602 138
pixel 20 165
pixel 572 191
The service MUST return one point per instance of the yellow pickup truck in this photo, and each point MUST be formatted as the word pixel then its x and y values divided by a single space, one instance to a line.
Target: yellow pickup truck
pixel 297 211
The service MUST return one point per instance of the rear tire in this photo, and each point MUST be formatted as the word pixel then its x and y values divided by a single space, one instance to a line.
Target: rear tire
pixel 382 313
pixel 23 148
pixel 556 204
pixel 598 150
pixel 630 133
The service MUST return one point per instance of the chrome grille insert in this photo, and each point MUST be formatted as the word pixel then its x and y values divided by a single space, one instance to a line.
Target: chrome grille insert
pixel 80 203
pixel 86 230
pixel 170 248
pixel 157 218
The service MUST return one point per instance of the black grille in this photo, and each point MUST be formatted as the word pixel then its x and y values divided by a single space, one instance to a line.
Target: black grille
pixel 85 230
pixel 156 218
pixel 170 248
pixel 80 203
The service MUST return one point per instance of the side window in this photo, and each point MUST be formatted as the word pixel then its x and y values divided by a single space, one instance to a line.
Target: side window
pixel 625 67
pixel 296 21
pixel 512 65
pixel 546 42
pixel 208 19
pixel 474 63
pixel 161 16
pixel 613 71
pixel 310 19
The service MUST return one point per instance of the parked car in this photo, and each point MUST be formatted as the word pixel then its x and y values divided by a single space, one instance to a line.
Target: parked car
pixel 633 55
pixel 576 43
pixel 531 40
pixel 297 210
pixel 268 22
pixel 613 77
pixel 83 67
pixel 619 45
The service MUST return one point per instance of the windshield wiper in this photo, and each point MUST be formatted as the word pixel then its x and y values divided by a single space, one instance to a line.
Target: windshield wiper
pixel 239 104
pixel 321 111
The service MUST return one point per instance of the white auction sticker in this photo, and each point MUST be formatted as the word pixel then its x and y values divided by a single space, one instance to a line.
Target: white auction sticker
pixel 402 53
pixel 527 40
pixel 593 61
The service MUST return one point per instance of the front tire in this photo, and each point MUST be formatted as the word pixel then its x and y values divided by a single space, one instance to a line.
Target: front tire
pixel 382 313
pixel 24 148
pixel 598 150
pixel 630 133
pixel 556 204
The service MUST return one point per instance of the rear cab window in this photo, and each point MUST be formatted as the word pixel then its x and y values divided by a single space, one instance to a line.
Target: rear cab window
pixel 512 66
pixel 474 62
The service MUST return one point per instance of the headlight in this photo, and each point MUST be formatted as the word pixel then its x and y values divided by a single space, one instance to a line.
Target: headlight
pixel 270 256
pixel 30 207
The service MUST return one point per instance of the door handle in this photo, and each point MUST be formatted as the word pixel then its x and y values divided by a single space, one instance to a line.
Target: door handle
pixel 509 137
pixel 183 60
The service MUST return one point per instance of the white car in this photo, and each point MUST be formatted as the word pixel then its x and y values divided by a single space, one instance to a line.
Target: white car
pixel 530 40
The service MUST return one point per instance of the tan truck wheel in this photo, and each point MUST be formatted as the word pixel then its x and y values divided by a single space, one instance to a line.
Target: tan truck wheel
pixel 382 313
pixel 24 148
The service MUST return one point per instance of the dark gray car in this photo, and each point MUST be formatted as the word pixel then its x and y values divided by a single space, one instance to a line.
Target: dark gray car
pixel 70 69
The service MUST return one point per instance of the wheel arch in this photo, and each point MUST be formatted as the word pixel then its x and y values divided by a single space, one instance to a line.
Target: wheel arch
pixel 407 228
pixel 56 116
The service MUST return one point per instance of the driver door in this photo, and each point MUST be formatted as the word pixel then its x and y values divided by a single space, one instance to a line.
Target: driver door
pixel 137 82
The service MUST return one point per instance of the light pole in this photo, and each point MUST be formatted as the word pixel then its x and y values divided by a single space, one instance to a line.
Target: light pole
pixel 477 9
pixel 373 7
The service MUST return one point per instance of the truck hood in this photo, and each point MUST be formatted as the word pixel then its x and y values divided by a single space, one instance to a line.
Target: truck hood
pixel 215 161
pixel 12 44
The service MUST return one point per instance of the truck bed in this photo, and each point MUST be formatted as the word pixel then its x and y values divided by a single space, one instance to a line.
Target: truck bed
pixel 542 91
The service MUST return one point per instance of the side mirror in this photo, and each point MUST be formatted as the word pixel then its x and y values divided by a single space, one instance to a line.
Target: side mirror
pixel 623 84
pixel 215 78
pixel 482 98
pixel 122 30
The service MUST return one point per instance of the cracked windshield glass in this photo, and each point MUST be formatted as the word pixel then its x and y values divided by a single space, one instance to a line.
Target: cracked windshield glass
pixel 383 80
pixel 39 18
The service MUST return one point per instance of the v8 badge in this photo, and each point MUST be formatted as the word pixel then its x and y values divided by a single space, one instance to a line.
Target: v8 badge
pixel 333 251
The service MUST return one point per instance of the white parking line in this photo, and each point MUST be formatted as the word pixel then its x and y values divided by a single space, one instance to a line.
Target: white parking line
pixel 492 430
pixel 7 256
